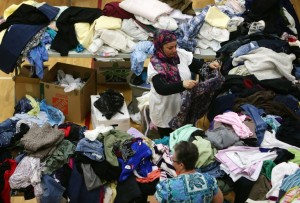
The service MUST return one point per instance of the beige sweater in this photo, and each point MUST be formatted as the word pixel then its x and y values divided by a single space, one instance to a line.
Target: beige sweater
pixel 265 64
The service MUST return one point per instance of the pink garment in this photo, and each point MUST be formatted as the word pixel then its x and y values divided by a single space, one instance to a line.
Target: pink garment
pixel 242 161
pixel 236 121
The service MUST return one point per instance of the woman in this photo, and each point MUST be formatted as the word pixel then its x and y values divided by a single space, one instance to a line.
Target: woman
pixel 189 186
pixel 169 73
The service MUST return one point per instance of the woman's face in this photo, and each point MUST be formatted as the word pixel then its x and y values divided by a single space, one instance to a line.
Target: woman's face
pixel 170 49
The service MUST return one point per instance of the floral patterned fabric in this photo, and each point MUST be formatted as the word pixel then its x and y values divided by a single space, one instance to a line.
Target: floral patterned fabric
pixel 195 102
pixel 166 66
pixel 187 188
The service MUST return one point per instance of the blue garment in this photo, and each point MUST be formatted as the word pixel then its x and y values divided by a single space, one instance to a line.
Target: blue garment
pixel 49 11
pixel 245 49
pixel 52 190
pixel 248 4
pixel 140 160
pixel 297 71
pixel 145 167
pixel 77 191
pixel 288 100
pixel 23 106
pixel 47 39
pixel 20 157
pixel 139 55
pixel 228 11
pixel 39 54
pixel 17 37
pixel 55 116
pixel 13 43
pixel 36 57
pixel 187 32
pixel 260 125
pixel 92 149
pixel 272 121
pixel 291 181
pixel 212 169
pixel 52 33
pixel 7 131
pixel 192 188
pixel 79 48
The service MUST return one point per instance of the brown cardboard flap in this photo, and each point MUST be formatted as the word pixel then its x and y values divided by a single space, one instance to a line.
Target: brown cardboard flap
pixel 27 85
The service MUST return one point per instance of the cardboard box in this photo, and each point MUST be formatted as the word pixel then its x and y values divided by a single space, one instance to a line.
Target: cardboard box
pixel 116 72
pixel 75 104
pixel 24 84
pixel 121 120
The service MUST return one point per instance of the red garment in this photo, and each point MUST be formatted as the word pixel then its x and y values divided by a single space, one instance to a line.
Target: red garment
pixel 5 193
pixel 66 131
pixel 113 9
pixel 150 178
pixel 102 194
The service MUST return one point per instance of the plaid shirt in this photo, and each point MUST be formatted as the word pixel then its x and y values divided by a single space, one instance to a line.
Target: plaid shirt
pixel 187 32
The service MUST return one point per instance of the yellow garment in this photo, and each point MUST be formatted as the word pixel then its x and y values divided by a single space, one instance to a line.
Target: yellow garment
pixel 35 106
pixel 85 33
pixel 296 152
pixel 105 22
pixel 2 35
pixel 113 186
pixel 206 152
pixel 14 7
pixel 216 18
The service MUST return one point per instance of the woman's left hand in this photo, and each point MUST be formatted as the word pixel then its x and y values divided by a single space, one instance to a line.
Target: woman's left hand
pixel 215 65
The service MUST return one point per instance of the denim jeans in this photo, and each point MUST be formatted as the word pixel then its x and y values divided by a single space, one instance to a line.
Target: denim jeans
pixel 212 169
pixel 260 125
pixel 52 190
pixel 92 149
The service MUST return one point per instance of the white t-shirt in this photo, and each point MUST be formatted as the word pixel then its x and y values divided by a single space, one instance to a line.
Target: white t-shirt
pixel 164 108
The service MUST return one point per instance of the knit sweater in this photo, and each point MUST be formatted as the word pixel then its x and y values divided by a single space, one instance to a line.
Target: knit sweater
pixel 265 64
pixel 39 142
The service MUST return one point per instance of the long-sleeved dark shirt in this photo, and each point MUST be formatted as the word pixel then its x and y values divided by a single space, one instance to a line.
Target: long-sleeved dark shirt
pixel 162 87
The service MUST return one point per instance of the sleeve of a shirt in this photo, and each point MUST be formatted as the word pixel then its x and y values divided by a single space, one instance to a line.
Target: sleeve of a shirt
pixel 163 88
pixel 161 193
pixel 196 65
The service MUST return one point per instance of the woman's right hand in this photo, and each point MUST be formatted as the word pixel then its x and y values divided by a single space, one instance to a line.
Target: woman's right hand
pixel 189 84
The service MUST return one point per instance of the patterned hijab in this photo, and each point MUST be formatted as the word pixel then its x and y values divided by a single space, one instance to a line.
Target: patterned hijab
pixel 166 66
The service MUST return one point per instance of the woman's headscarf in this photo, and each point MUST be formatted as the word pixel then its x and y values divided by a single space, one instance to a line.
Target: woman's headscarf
pixel 166 66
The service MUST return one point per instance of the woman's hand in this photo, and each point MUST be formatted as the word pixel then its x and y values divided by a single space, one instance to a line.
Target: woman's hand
pixel 215 65
pixel 189 84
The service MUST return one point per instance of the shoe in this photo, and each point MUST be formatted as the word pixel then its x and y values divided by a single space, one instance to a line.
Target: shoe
pixel 256 27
